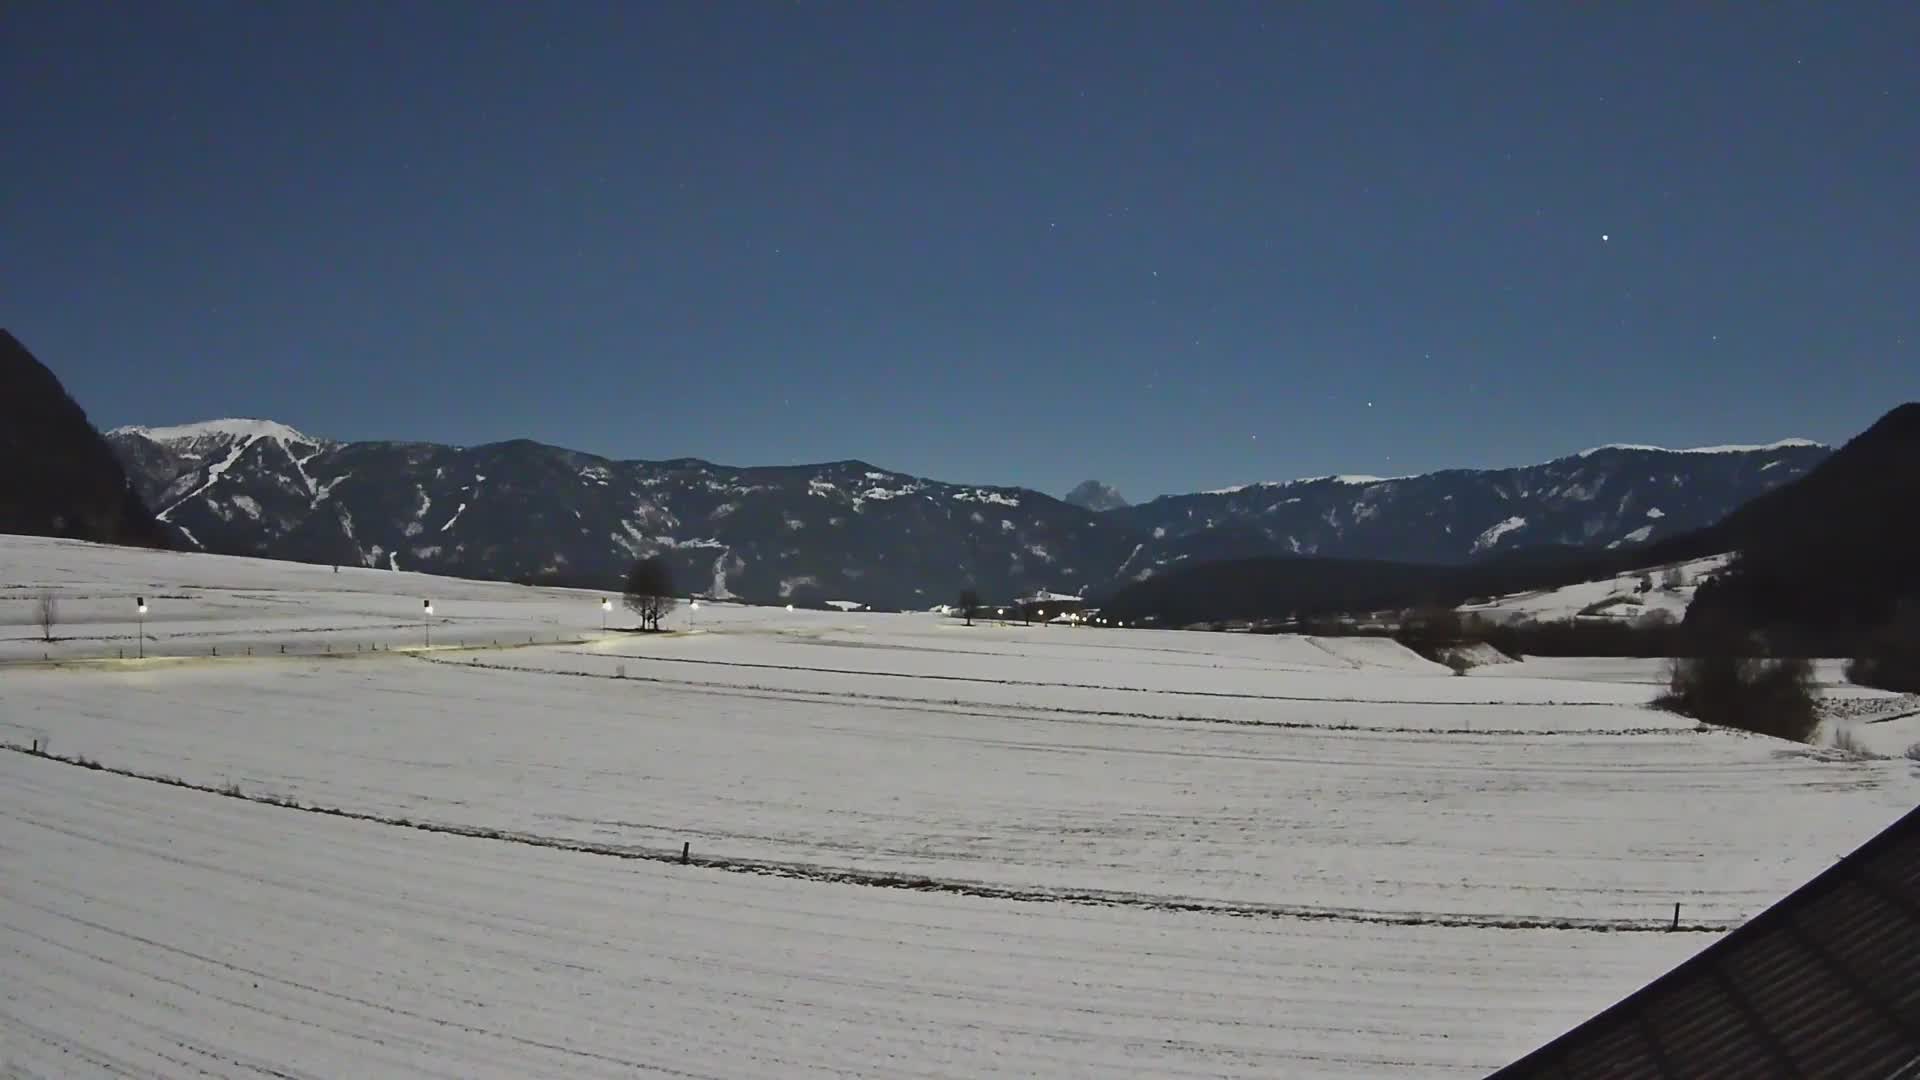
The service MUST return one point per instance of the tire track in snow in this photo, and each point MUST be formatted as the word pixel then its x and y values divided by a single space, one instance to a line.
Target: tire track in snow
pixel 917 882
pixel 1236 694
pixel 963 707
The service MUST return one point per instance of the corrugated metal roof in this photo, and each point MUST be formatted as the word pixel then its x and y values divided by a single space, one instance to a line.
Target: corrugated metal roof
pixel 1825 983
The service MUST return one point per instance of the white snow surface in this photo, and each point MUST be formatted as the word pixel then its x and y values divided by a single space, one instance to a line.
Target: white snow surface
pixel 1783 444
pixel 1492 536
pixel 1620 595
pixel 233 427
pixel 1237 855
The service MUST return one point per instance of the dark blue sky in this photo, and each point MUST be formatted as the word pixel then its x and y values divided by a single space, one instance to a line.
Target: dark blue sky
pixel 1169 246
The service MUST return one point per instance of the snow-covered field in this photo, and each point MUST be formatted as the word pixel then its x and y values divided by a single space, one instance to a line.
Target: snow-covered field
pixel 1619 597
pixel 921 848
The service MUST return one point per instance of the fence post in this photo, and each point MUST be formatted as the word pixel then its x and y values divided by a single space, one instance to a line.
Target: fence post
pixel 686 852
pixel 1676 917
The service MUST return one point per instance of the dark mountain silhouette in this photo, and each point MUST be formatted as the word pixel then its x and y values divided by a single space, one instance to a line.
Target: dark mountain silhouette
pixel 61 479
pixel 1834 554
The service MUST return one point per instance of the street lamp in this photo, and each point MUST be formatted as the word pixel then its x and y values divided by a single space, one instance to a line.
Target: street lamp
pixel 606 605
pixel 140 606
pixel 426 620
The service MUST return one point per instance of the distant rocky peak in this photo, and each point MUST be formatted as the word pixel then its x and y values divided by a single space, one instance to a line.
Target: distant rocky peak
pixel 1096 496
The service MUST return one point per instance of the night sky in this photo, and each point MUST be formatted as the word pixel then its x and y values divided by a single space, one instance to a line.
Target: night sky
pixel 1169 246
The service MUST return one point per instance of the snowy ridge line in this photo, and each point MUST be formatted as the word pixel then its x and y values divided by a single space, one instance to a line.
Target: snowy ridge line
pixel 915 882
pixel 964 707
pixel 1238 695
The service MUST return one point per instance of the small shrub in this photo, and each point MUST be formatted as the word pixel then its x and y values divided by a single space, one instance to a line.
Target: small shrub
pixel 1767 697
pixel 46 612
pixel 1913 752
pixel 1847 742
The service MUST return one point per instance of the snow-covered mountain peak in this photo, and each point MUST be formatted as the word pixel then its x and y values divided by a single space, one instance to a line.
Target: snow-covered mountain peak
pixel 1096 496
pixel 1783 444
pixel 232 428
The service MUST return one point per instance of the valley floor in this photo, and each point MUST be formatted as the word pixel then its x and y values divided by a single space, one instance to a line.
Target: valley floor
pixel 919 849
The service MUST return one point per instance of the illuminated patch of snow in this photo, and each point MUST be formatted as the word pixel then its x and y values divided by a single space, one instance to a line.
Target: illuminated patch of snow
pixel 1492 536
pixel 982 495
pixel 718 590
pixel 321 492
pixel 461 509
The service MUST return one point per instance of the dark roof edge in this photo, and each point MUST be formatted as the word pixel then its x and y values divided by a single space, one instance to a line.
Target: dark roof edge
pixel 1623 1010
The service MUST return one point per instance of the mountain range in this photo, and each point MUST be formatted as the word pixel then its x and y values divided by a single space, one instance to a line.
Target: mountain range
pixel 849 530
pixel 1818 566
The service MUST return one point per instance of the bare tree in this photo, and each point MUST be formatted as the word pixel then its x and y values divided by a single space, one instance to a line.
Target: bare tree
pixel 1673 579
pixel 46 612
pixel 969 604
pixel 649 591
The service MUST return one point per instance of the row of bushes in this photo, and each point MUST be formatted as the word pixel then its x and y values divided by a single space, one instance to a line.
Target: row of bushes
pixel 1768 696
pixel 1890 659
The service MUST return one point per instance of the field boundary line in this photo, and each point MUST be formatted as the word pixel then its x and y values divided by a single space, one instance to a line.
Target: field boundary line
pixel 914 882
